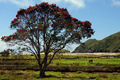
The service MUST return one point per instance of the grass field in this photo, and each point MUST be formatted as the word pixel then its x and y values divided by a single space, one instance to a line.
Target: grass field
pixel 70 61
pixel 34 75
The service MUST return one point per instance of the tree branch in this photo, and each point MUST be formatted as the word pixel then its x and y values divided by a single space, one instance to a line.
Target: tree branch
pixel 55 53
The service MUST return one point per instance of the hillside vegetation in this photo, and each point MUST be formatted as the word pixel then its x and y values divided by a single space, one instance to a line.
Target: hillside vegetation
pixel 108 44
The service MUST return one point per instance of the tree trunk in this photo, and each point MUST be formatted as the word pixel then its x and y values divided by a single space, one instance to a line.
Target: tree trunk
pixel 42 73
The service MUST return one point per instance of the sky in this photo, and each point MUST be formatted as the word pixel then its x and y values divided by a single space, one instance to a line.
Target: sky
pixel 103 14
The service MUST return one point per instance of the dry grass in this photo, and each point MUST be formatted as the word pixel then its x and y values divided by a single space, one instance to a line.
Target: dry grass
pixel 82 54
pixel 79 54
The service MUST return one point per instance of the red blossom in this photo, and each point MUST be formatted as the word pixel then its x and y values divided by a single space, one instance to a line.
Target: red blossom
pixel 17 29
pixel 39 24
pixel 66 24
pixel 74 19
pixel 44 17
pixel 3 38
pixel 79 22
pixel 20 30
pixel 40 8
pixel 39 28
pixel 87 23
pixel 53 5
pixel 17 17
pixel 53 21
pixel 12 21
pixel 10 26
pixel 71 24
pixel 30 7
pixel 44 6
pixel 27 22
pixel 53 13
pixel 33 7
pixel 27 11
pixel 21 12
pixel 23 30
pixel 57 15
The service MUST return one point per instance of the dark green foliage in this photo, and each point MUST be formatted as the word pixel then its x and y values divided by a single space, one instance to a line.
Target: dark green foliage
pixel 5 53
pixel 108 44
pixel 61 51
pixel 83 48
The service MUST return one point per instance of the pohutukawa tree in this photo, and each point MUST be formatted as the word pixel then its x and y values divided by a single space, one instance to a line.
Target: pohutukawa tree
pixel 46 27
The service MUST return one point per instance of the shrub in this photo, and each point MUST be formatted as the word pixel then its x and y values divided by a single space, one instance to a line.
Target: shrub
pixel 32 55
pixel 5 53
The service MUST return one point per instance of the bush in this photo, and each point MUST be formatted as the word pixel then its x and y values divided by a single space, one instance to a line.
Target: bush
pixel 64 51
pixel 61 51
pixel 32 55
pixel 5 53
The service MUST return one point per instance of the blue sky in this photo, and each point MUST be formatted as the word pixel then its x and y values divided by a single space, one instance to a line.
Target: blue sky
pixel 103 14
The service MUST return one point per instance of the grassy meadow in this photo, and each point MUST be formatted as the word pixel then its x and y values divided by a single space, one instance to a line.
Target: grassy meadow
pixel 34 75
pixel 63 67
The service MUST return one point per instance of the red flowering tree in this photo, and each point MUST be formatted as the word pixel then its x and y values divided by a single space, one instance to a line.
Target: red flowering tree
pixel 46 27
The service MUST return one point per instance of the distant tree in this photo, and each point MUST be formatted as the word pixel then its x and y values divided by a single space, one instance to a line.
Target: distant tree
pixel 46 27
pixel 63 51
pixel 60 51
pixel 5 53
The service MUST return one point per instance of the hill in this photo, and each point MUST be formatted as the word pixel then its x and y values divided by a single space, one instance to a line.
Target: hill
pixel 108 44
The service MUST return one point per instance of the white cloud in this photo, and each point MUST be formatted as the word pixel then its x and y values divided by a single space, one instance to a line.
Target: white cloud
pixel 21 3
pixel 51 1
pixel 71 47
pixel 116 2
pixel 73 3
pixel 77 3
pixel 26 3
pixel 3 0
pixel 3 46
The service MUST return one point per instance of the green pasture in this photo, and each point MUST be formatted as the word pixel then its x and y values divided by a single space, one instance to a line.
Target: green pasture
pixel 63 60
pixel 58 61
pixel 85 61
pixel 34 75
